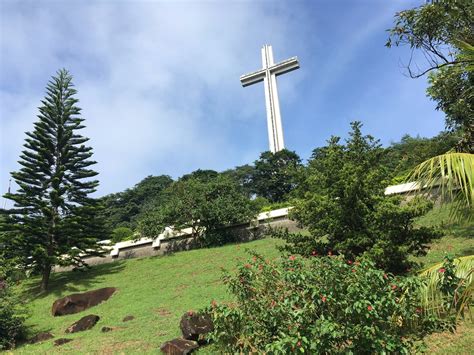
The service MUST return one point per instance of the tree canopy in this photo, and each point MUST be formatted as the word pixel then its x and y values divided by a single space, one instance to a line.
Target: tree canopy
pixel 54 219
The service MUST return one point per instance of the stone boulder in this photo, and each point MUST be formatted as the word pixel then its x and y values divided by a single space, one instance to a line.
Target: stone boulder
pixel 106 329
pixel 193 325
pixel 61 341
pixel 79 302
pixel 84 323
pixel 179 346
pixel 40 337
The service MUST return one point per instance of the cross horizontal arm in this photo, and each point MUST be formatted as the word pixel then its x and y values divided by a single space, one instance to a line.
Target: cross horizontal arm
pixel 252 78
pixel 285 66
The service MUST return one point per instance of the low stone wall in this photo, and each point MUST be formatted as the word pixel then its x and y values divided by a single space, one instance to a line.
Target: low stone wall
pixel 243 233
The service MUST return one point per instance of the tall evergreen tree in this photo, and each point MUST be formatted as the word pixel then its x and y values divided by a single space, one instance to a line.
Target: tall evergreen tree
pixel 53 219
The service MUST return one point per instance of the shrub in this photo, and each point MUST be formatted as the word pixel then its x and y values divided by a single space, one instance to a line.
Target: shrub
pixel 318 305
pixel 120 234
pixel 343 206
pixel 12 328
pixel 11 320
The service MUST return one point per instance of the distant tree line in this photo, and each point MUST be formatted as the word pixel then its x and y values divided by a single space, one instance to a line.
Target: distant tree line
pixel 269 182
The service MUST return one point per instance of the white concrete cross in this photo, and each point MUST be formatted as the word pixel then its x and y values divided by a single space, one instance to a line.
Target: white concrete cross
pixel 268 74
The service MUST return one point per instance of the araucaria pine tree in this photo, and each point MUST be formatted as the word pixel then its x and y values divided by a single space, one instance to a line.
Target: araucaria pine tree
pixel 53 219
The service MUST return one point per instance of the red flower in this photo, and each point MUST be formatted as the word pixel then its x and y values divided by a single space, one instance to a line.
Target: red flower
pixel 314 253
pixel 442 270
pixel 248 266
pixel 353 270
pixel 291 269
pixel 190 313
pixel 418 310
pixel 369 308
pixel 298 344
pixel 213 303
pixel 394 287
pixel 273 303
pixel 323 299
pixel 385 276
pixel 349 262
pixel 329 252
pixel 254 258
pixel 292 257
pixel 260 267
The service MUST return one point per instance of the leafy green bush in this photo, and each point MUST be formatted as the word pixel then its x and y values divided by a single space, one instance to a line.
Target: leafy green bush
pixel 11 320
pixel 120 234
pixel 206 204
pixel 343 206
pixel 12 328
pixel 318 305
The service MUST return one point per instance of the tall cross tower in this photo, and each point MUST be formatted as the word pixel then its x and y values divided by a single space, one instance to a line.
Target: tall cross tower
pixel 268 75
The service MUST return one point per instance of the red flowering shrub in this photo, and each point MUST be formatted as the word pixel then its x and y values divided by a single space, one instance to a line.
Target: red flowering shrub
pixel 318 305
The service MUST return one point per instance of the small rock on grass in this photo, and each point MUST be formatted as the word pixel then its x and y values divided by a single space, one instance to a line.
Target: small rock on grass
pixel 61 341
pixel 178 346
pixel 194 324
pixel 128 318
pixel 84 323
pixel 40 337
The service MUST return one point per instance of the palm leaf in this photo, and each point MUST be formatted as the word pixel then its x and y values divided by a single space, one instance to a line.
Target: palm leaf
pixel 432 298
pixel 452 174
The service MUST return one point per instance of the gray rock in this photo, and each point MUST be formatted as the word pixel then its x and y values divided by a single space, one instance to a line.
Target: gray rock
pixel 194 324
pixel 84 323
pixel 128 318
pixel 61 341
pixel 179 346
pixel 79 302
pixel 40 337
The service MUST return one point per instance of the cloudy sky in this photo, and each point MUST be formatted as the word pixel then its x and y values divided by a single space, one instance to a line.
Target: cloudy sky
pixel 158 81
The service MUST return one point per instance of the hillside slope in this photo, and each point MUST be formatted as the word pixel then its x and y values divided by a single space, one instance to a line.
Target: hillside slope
pixel 156 291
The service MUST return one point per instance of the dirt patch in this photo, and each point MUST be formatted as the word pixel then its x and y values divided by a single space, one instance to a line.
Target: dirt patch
pixel 181 288
pixel 125 347
pixel 163 312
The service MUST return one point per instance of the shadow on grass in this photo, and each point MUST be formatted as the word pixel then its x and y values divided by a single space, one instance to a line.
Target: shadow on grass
pixel 67 282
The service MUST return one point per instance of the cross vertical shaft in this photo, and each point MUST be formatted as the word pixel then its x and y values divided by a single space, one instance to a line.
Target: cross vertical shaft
pixel 268 74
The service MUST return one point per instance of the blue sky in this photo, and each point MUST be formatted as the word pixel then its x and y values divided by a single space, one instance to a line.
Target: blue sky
pixel 158 81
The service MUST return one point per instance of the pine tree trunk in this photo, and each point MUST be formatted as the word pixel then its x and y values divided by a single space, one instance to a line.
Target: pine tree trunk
pixel 45 278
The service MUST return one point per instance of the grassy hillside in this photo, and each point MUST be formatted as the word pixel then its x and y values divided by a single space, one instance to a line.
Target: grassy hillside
pixel 158 290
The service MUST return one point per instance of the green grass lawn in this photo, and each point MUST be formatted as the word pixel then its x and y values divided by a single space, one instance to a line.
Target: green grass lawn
pixel 158 290
pixel 458 238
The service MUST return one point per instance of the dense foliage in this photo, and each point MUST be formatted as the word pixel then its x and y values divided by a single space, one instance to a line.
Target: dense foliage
pixel 276 175
pixel 342 204
pixel 123 209
pixel 401 157
pixel 204 205
pixel 319 305
pixel 54 219
pixel 12 314
pixel 120 234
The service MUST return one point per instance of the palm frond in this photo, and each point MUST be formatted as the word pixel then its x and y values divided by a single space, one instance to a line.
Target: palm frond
pixel 452 174
pixel 432 298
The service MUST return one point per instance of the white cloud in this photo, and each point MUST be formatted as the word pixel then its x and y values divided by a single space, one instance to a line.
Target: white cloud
pixel 158 82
